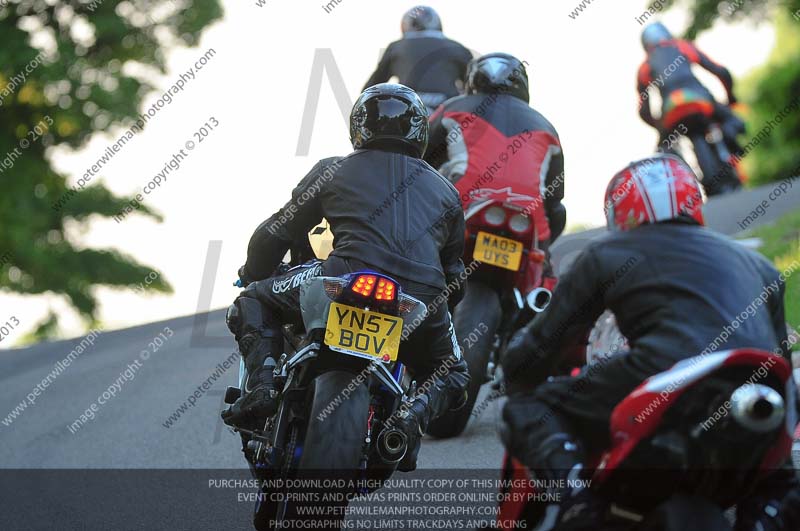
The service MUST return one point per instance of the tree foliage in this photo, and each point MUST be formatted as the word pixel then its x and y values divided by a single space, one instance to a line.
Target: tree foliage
pixel 62 79
pixel 768 89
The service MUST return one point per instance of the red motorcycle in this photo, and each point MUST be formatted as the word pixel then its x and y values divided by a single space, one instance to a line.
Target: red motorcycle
pixel 697 125
pixel 686 445
pixel 504 289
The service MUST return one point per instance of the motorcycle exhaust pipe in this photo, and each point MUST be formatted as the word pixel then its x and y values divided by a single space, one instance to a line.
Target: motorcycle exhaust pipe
pixel 539 299
pixel 758 408
pixel 392 445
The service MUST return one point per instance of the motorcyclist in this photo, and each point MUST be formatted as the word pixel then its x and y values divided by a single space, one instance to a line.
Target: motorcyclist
pixel 389 132
pixel 673 286
pixel 424 59
pixel 668 68
pixel 471 134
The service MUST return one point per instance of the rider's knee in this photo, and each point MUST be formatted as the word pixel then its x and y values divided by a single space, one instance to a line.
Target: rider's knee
pixel 233 319
pixel 247 315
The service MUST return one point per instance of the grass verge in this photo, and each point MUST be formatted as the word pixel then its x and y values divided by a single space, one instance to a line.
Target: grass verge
pixel 782 246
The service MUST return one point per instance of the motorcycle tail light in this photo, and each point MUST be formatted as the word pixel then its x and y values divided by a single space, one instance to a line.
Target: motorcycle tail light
pixel 333 287
pixel 385 290
pixel 519 223
pixel 364 285
pixel 407 305
pixel 495 216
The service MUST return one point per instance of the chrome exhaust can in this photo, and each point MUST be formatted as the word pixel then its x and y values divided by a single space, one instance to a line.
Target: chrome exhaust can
pixel 758 407
pixel 392 445
pixel 539 299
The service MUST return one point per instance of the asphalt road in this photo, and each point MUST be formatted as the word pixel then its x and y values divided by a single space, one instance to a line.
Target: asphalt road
pixel 128 430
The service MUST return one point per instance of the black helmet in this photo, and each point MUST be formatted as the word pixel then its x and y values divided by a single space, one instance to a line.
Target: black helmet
pixel 498 72
pixel 654 34
pixel 421 18
pixel 390 115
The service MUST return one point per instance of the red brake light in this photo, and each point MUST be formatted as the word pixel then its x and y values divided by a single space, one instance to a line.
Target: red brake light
pixel 364 285
pixel 386 290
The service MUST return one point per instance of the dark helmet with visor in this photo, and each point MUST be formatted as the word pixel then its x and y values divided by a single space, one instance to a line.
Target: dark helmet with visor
pixel 392 117
pixel 498 73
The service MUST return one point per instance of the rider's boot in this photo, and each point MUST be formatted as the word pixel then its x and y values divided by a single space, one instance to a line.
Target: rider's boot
pixel 259 347
pixel 573 506
pixel 555 456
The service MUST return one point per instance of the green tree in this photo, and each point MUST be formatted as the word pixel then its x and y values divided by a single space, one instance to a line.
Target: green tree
pixel 768 89
pixel 62 80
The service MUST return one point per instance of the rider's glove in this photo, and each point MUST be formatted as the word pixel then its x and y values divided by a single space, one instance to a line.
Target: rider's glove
pixel 518 360
pixel 412 419
pixel 244 276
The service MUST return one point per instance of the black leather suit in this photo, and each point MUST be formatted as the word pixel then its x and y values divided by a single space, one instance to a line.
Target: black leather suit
pixel 426 61
pixel 676 290
pixel 388 212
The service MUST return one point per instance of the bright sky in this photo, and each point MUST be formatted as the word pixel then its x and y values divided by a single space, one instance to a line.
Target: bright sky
pixel 582 78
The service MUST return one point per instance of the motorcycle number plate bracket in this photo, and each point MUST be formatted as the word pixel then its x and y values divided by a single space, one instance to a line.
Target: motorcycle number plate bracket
pixel 498 251
pixel 363 333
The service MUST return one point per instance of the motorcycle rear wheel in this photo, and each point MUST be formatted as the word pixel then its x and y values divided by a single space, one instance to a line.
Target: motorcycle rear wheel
pixel 331 454
pixel 337 425
pixel 333 447
pixel 480 306
pixel 719 176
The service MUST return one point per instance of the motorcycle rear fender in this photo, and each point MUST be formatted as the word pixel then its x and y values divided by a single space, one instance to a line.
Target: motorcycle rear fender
pixel 315 306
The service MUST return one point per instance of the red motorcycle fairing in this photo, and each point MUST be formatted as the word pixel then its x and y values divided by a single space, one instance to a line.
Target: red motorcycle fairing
pixel 508 169
pixel 529 275
pixel 627 433
pixel 657 394
pixel 513 497
pixel 686 104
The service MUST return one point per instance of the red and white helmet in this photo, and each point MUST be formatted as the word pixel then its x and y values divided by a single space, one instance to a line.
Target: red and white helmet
pixel 659 188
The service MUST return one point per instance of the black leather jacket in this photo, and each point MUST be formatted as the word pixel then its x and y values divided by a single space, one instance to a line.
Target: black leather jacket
pixel 426 61
pixel 386 209
pixel 674 289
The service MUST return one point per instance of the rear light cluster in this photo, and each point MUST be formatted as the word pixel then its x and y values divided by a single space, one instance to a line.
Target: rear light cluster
pixel 333 287
pixel 385 290
pixel 364 284
pixel 497 216
pixel 519 223
pixel 407 305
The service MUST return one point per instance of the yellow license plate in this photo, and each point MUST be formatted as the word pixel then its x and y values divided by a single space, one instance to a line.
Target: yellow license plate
pixel 498 251
pixel 362 333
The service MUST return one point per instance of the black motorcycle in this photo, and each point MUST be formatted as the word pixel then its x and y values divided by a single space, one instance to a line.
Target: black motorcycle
pixel 702 130
pixel 340 385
